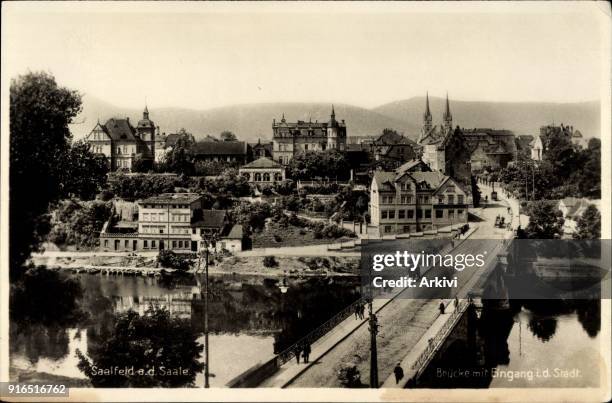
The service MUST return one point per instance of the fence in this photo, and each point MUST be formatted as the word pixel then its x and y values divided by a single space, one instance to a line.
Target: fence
pixel 437 340
pixel 320 331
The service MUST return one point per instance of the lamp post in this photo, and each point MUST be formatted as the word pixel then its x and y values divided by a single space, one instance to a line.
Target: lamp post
pixel 206 242
pixel 373 327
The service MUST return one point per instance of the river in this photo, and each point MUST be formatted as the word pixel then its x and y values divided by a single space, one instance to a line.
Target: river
pixel 250 318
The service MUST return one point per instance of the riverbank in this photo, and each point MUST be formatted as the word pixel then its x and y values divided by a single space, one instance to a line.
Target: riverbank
pixel 242 265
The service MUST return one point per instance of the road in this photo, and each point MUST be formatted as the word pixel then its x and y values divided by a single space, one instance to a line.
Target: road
pixel 402 322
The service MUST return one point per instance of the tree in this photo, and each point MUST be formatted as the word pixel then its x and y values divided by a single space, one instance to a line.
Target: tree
pixel 82 172
pixel 39 113
pixel 163 350
pixel 180 159
pixel 141 165
pixel 545 221
pixel 226 135
pixel 325 164
pixel 589 224
pixel 79 223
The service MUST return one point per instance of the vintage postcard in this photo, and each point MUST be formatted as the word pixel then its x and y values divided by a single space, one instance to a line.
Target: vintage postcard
pixel 305 201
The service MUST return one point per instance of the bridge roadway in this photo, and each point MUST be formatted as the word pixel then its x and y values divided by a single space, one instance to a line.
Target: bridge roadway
pixel 404 324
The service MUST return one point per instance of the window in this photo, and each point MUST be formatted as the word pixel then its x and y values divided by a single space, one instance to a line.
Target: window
pixel 401 214
pixel 174 244
pixel 406 228
pixel 383 214
pixel 451 199
pixel 410 213
pixel 106 243
pixel 428 213
pixel 153 244
pixel 440 199
pixel 391 214
pixel 306 147
pixel 419 213
pixel 459 212
pixel 145 244
pixel 387 228
pixel 406 199
pixel 451 214
pixel 460 199
pixel 439 214
pixel 126 243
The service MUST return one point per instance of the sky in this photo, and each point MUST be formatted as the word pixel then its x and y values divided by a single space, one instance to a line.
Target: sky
pixel 204 55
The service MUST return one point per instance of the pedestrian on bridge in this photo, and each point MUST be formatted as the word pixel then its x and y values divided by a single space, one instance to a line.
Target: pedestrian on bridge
pixel 297 350
pixel 442 307
pixel 399 373
pixel 361 311
pixel 306 353
pixel 456 304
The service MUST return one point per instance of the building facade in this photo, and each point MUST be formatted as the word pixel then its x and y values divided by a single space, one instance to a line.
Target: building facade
pixel 489 148
pixel 290 139
pixel 172 221
pixel 233 152
pixel 404 202
pixel 121 143
pixel 263 171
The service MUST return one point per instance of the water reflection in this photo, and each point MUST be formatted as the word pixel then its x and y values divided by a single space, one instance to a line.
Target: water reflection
pixel 249 318
pixel 524 341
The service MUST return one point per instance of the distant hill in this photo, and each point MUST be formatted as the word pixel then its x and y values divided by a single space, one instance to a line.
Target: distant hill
pixel 249 122
pixel 252 121
pixel 520 117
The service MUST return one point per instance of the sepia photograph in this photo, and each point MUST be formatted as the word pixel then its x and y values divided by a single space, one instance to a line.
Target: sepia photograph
pixel 305 201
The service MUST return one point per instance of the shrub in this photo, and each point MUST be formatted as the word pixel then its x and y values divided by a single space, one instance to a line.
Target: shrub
pixel 169 259
pixel 270 261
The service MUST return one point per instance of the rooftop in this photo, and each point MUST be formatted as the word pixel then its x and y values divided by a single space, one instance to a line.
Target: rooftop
pixel 172 198
pixel 210 218
pixel 262 163
pixel 220 148
pixel 235 232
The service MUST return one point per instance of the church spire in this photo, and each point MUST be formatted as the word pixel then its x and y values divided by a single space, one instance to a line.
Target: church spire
pixel 448 117
pixel 333 114
pixel 427 120
pixel 145 113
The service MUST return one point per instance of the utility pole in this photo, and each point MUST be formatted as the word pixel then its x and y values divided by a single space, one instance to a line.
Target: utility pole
pixel 533 181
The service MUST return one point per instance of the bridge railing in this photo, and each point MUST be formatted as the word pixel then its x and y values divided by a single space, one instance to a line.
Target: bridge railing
pixel 435 341
pixel 319 332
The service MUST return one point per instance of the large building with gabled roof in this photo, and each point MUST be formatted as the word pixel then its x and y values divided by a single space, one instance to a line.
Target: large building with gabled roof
pixel 414 199
pixel 292 138
pixel 122 143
